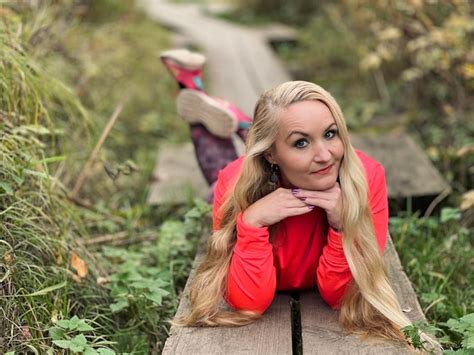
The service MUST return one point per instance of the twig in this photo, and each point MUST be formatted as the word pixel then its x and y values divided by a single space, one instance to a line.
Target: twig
pixel 437 200
pixel 119 239
pixel 88 166
pixel 106 238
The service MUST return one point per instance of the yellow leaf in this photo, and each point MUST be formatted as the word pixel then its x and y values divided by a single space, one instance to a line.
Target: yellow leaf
pixel 79 265
pixel 467 200
pixel 468 70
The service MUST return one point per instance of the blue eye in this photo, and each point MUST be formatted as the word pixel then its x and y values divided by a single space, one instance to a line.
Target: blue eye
pixel 331 131
pixel 301 143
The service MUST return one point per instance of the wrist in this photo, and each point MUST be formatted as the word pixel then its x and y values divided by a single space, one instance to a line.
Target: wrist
pixel 250 220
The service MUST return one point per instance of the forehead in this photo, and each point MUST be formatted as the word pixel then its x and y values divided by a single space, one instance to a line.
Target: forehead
pixel 306 115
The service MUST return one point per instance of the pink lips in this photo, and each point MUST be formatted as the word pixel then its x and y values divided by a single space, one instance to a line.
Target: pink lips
pixel 325 170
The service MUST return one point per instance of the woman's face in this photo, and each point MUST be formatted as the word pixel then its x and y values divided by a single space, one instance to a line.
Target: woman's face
pixel 307 142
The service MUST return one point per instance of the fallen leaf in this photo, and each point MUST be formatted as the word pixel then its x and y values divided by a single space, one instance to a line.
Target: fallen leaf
pixel 8 259
pixel 79 265
pixel 102 280
pixel 467 200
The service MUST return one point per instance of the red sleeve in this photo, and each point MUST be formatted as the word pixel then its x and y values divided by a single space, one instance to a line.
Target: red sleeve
pixel 333 273
pixel 251 280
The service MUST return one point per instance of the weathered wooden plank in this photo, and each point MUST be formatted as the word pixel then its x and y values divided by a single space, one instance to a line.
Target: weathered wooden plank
pixel 322 333
pixel 177 176
pixel 269 335
pixel 409 172
pixel 401 284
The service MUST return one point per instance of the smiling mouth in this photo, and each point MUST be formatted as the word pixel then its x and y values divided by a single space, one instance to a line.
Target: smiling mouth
pixel 325 170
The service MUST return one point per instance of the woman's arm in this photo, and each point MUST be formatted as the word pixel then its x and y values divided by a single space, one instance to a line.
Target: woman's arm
pixel 333 273
pixel 251 280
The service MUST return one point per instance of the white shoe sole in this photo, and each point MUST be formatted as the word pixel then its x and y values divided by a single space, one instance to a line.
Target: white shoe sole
pixel 185 58
pixel 196 107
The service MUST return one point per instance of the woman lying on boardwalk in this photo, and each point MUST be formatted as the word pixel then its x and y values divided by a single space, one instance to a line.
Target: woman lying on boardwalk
pixel 301 209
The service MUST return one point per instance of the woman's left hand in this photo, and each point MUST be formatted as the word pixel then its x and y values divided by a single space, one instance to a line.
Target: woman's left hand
pixel 330 200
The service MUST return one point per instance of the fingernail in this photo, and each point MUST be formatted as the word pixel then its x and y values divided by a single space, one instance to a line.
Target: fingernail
pixel 295 191
pixel 311 207
pixel 302 198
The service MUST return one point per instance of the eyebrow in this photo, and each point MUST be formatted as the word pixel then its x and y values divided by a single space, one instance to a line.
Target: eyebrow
pixel 306 134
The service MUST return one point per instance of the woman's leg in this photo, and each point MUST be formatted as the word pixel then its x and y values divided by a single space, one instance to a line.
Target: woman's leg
pixel 212 153
pixel 212 120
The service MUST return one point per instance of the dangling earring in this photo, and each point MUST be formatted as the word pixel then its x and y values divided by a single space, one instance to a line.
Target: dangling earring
pixel 274 176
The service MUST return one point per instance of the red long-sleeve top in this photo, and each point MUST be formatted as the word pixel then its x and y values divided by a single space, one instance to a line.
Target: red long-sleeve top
pixel 306 251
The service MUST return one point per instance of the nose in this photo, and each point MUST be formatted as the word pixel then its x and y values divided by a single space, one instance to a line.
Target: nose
pixel 321 153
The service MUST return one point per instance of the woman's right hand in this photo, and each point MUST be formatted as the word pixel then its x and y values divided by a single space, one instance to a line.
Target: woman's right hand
pixel 274 207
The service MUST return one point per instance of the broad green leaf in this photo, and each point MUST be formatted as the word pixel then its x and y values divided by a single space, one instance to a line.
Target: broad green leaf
pixel 468 342
pixel 56 333
pixel 90 351
pixel 82 326
pixel 78 343
pixel 448 214
pixel 73 322
pixel 469 318
pixel 119 305
pixel 154 297
pixel 63 323
pixel 104 351
pixel 65 344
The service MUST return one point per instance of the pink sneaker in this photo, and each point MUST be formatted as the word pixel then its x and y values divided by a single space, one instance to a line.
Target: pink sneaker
pixel 197 107
pixel 185 66
pixel 244 120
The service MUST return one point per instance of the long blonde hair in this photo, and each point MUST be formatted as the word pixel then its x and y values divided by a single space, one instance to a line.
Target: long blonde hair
pixel 369 305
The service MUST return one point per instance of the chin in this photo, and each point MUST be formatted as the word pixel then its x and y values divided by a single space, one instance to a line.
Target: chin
pixel 321 185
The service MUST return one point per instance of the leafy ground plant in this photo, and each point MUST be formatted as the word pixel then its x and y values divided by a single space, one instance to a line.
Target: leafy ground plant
pixel 69 334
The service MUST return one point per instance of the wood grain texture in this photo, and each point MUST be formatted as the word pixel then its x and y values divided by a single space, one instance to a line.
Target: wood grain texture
pixel 408 170
pixel 322 333
pixel 269 335
pixel 177 176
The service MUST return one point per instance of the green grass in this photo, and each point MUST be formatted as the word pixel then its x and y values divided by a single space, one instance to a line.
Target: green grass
pixel 438 256
pixel 60 87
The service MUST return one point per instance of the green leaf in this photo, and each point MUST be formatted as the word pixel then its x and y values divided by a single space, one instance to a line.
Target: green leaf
pixel 6 187
pixel 90 351
pixel 119 305
pixel 64 344
pixel 142 284
pixel 105 351
pixel 63 323
pixel 456 325
pixel 469 319
pixel 468 342
pixel 48 289
pixel 10 353
pixel 49 160
pixel 56 333
pixel 78 343
pixel 82 326
pixel 154 297
pixel 448 214
pixel 73 322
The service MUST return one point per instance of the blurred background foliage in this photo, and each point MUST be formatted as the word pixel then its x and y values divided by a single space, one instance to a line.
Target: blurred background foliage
pixel 390 64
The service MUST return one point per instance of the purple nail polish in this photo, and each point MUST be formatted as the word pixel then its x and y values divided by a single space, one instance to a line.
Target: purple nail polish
pixel 295 191
pixel 311 207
